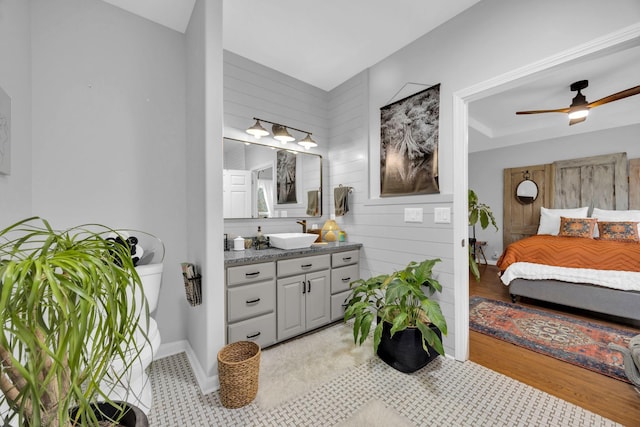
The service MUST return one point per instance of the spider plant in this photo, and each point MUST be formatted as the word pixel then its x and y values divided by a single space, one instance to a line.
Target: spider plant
pixel 401 299
pixel 67 313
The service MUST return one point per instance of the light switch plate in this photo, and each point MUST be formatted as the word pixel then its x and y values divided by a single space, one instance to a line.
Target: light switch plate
pixel 413 214
pixel 442 215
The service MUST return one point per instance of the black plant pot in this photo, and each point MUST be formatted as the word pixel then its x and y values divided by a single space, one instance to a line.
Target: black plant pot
pixel 404 350
pixel 133 416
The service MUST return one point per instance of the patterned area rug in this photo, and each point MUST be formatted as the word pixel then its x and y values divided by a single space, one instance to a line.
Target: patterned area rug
pixel 571 340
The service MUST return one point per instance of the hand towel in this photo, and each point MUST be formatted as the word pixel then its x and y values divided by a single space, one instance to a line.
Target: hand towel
pixel 341 200
pixel 312 202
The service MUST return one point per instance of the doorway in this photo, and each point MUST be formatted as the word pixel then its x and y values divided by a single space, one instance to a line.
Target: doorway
pixel 623 39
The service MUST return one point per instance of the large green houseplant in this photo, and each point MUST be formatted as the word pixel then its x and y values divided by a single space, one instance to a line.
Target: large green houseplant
pixel 402 305
pixel 67 313
pixel 478 213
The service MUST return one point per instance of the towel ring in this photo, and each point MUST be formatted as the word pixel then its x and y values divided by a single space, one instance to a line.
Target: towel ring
pixel 350 188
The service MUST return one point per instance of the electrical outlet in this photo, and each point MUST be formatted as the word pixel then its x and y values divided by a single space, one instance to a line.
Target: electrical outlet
pixel 495 255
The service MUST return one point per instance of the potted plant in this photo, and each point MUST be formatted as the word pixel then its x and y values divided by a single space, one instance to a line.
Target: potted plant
pixel 67 314
pixel 410 324
pixel 478 212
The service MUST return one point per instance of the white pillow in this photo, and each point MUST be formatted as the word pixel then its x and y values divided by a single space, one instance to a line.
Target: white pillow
pixel 604 215
pixel 550 218
pixel 609 215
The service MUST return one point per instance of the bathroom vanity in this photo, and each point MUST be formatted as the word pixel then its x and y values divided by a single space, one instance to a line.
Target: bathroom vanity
pixel 274 294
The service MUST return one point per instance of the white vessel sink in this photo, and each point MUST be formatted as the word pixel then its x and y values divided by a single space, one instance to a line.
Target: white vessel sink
pixel 292 240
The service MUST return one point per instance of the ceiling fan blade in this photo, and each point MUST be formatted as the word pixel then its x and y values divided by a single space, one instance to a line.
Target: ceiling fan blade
pixel 559 110
pixel 579 120
pixel 616 96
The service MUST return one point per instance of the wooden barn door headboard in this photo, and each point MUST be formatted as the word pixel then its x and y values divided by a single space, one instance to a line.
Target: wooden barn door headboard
pixel 598 182
pixel 605 182
pixel 520 220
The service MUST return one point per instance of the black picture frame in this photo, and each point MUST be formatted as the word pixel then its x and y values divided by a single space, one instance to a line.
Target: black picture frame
pixel 409 132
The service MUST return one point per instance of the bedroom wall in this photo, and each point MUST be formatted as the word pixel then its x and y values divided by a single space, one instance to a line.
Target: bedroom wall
pixel 15 80
pixel 109 130
pixel 486 167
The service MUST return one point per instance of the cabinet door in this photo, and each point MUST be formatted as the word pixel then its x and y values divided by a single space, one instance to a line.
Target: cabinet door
pixel 291 307
pixel 318 299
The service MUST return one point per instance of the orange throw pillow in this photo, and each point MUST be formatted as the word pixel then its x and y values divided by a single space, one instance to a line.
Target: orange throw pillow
pixel 623 231
pixel 577 227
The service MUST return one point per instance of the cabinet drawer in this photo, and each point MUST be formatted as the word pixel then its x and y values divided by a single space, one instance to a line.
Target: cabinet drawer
pixel 289 267
pixel 251 300
pixel 260 329
pixel 341 277
pixel 250 273
pixel 338 305
pixel 345 258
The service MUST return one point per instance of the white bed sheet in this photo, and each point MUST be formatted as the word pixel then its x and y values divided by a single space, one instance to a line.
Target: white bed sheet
pixel 623 280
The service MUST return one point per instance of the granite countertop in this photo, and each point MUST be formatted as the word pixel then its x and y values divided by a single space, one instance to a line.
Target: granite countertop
pixel 250 256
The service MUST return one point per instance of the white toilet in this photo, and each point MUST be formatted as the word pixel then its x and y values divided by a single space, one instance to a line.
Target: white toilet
pixel 134 386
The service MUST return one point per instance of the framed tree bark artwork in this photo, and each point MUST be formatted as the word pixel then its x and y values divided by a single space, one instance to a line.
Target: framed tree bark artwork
pixel 409 144
pixel 286 177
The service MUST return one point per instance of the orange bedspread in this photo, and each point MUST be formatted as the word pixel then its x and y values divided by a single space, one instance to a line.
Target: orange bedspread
pixel 573 252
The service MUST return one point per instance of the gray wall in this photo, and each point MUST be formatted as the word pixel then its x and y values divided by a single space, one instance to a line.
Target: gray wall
pixel 109 130
pixel 486 167
pixel 15 80
pixel 205 323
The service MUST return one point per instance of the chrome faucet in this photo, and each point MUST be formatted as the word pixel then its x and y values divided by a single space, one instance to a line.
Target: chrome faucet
pixel 303 223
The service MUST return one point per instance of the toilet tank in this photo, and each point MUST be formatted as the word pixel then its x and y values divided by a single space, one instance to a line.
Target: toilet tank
pixel 151 277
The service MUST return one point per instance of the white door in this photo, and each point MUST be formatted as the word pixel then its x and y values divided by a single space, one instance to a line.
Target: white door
pixel 236 196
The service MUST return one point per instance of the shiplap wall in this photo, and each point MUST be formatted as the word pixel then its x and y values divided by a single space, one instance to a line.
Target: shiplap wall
pixel 339 121
pixel 253 90
pixel 389 243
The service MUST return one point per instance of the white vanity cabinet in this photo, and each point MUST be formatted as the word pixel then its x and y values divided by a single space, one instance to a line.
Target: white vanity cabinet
pixel 251 303
pixel 303 294
pixel 345 269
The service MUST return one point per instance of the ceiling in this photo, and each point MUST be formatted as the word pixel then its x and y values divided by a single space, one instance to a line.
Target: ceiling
pixel 324 43
pixel 494 123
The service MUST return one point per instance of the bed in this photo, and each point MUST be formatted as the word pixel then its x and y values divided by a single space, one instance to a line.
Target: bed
pixel 588 273
pixel 592 274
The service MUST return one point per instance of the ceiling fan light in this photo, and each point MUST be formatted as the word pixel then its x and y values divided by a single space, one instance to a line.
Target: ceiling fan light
pixel 578 113
pixel 257 130
pixel 282 134
pixel 308 142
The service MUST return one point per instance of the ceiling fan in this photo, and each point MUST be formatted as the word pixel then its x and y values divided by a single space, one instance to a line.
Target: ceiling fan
pixel 579 108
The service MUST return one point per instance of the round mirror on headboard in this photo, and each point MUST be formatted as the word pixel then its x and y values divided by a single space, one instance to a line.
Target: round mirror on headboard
pixel 527 192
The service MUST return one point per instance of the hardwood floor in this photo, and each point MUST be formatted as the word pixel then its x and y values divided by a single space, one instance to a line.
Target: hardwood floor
pixel 611 398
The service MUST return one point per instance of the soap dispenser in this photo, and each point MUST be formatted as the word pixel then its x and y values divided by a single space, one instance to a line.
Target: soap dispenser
pixel 260 239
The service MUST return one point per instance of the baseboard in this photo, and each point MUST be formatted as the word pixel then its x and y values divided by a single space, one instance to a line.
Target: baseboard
pixel 207 384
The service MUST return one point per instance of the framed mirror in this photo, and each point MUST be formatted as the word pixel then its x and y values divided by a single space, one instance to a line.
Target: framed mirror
pixel 263 181
pixel 527 192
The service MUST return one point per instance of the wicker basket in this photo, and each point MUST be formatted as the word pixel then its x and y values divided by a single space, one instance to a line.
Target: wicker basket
pixel 238 369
